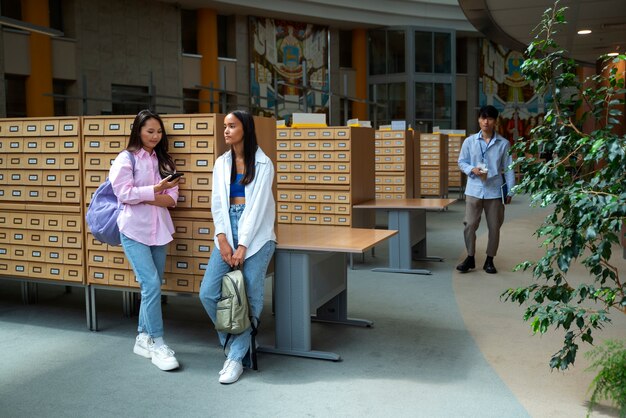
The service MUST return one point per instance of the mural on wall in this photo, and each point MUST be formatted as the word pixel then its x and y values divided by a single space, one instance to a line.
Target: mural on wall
pixel 288 68
pixel 503 86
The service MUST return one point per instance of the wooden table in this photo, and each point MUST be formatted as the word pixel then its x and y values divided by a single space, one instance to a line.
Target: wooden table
pixel 408 217
pixel 311 275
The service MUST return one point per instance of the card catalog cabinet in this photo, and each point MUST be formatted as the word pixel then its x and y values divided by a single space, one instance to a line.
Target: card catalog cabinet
pixel 455 176
pixel 393 161
pixel 41 218
pixel 192 145
pixel 322 172
pixel 433 149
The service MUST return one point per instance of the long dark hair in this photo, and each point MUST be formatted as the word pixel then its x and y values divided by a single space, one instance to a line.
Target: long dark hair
pixel 166 163
pixel 250 146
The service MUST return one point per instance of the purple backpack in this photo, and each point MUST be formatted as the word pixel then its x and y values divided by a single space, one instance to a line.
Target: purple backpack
pixel 103 212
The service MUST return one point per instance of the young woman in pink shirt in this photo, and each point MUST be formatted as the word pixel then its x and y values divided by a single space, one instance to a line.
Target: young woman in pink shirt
pixel 146 226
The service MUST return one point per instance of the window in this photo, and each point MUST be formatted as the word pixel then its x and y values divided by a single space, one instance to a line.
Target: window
pixel 461 56
pixel 423 100
pixel 433 52
pixel 443 48
pixel 56 14
pixel 345 49
pixel 377 52
pixel 129 100
pixel 387 52
pixel 422 96
pixel 395 52
pixel 226 37
pixel 433 106
pixel 189 31
pixel 392 100
pixel 15 88
pixel 443 101
pixel 191 103
pixel 423 52
pixel 11 8
pixel 378 110
pixel 60 89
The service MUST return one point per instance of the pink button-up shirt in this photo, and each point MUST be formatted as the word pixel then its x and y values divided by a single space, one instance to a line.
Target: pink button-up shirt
pixel 139 221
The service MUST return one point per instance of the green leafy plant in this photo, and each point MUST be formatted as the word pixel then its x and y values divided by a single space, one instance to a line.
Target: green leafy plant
pixel 583 182
pixel 610 382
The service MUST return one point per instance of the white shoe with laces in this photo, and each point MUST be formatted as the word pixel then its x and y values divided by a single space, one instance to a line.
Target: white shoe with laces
pixel 142 345
pixel 163 357
pixel 232 371
pixel 224 366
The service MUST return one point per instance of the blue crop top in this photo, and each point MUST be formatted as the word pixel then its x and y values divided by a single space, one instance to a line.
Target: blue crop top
pixel 237 189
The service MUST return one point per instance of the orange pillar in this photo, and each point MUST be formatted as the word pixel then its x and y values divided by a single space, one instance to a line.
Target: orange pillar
pixel 359 64
pixel 40 80
pixel 209 66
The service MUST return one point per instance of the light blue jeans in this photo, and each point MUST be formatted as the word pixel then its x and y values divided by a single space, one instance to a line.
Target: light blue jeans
pixel 254 270
pixel 148 263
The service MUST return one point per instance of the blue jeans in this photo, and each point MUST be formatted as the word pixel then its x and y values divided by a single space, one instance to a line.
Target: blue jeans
pixel 254 270
pixel 148 263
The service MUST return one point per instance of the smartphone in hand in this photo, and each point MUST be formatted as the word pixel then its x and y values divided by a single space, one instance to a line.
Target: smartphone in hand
pixel 175 176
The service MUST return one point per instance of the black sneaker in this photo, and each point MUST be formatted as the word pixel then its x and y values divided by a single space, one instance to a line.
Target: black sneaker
pixel 489 267
pixel 466 265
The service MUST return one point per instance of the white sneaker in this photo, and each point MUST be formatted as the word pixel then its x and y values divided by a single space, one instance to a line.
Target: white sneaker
pixel 142 345
pixel 231 373
pixel 224 366
pixel 163 357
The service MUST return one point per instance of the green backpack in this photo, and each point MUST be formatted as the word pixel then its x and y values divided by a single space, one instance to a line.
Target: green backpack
pixel 232 307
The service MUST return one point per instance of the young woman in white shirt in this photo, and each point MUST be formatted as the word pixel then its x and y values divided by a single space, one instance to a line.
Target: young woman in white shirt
pixel 243 210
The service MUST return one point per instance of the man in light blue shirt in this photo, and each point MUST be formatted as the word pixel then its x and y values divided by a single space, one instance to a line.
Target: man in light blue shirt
pixel 485 159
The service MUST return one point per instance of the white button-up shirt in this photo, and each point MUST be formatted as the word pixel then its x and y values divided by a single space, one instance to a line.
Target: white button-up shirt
pixel 495 156
pixel 256 225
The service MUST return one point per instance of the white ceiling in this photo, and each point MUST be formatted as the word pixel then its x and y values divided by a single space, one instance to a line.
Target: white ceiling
pixel 516 19
pixel 346 14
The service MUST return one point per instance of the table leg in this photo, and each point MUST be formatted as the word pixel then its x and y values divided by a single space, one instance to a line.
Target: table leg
pixel 420 252
pixel 94 313
pixel 335 311
pixel 127 304
pixel 294 297
pixel 401 244
pixel 88 306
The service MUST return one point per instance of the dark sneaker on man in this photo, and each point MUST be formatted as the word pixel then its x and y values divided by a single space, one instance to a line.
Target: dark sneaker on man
pixel 489 267
pixel 142 345
pixel 467 264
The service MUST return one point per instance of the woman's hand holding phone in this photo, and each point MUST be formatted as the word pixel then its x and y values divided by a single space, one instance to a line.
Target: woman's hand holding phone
pixel 168 182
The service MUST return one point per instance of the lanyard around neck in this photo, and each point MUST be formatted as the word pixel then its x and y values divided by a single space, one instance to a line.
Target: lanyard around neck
pixel 480 144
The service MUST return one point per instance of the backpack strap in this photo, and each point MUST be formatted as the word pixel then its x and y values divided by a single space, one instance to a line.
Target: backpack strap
pixel 132 160
pixel 254 323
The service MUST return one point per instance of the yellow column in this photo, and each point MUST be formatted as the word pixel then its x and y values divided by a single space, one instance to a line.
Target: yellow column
pixel 209 66
pixel 359 64
pixel 40 80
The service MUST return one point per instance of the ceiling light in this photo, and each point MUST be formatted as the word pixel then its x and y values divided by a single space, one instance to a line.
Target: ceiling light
pixel 612 54
pixel 584 31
